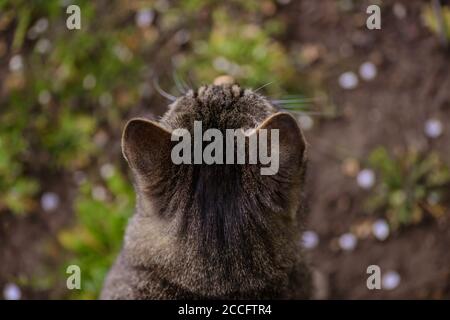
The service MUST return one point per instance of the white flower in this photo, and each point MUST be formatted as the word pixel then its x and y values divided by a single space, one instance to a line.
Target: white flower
pixel 390 280
pixel 49 201
pixel 348 80
pixel 366 178
pixel 368 71
pixel 348 241
pixel 433 128
pixel 144 17
pixel 380 229
pixel 310 239
pixel 16 63
pixel 12 292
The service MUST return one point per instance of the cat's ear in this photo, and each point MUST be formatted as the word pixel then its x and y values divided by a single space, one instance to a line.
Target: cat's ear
pixel 292 144
pixel 146 145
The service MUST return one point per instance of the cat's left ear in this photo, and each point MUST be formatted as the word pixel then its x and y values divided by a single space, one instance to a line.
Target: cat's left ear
pixel 292 144
pixel 146 145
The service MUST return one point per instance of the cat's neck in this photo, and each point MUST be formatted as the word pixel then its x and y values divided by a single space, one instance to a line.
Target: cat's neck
pixel 262 260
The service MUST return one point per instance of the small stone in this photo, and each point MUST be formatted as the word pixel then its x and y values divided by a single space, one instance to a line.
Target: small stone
pixel 41 25
pixel 399 10
pixel 368 71
pixel 350 167
pixel 107 170
pixel 221 64
pixel 362 230
pixel 225 79
pixel 310 53
pixel 101 138
pixel 347 241
pixel 380 229
pixel 99 193
pixel 310 239
pixel 306 122
pixel 321 285
pixel 49 201
pixel 144 18
pixel 433 198
pixel 366 178
pixel 433 128
pixel 123 53
pixel 268 8
pixel 12 292
pixel 390 280
pixel 79 177
pixel 89 81
pixel 44 97
pixel 162 5
pixel 105 99
pixel 43 46
pixel 182 37
pixel 16 63
pixel 348 80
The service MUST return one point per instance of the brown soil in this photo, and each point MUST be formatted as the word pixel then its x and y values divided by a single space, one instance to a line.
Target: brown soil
pixel 413 84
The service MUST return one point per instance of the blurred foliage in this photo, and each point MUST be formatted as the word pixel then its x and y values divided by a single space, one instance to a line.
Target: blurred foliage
pixel 411 186
pixel 96 238
pixel 432 21
pixel 245 51
pixel 65 96
pixel 56 80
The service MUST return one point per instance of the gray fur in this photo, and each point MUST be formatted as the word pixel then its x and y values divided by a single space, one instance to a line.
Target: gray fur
pixel 217 231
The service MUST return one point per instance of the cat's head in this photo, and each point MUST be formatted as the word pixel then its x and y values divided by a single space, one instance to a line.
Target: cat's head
pixel 218 206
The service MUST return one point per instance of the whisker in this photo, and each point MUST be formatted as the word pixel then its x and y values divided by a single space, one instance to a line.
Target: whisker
pixel 190 82
pixel 184 83
pixel 177 83
pixel 263 86
pixel 297 100
pixel 181 85
pixel 312 113
pixel 166 95
pixel 294 105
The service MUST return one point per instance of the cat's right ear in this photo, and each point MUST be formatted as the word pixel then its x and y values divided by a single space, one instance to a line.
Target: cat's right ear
pixel 146 145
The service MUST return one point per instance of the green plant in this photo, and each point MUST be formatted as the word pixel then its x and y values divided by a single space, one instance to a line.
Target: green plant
pixel 247 51
pixel 437 20
pixel 49 115
pixel 95 239
pixel 410 186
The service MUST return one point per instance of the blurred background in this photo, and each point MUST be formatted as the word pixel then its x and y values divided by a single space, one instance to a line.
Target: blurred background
pixel 374 106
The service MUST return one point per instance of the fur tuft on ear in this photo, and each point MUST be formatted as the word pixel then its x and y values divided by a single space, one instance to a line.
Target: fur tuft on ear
pixel 292 144
pixel 145 145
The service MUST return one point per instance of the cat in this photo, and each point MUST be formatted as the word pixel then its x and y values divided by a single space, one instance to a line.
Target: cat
pixel 215 231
